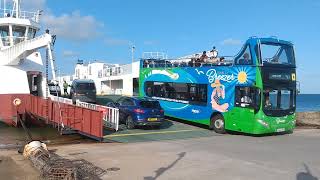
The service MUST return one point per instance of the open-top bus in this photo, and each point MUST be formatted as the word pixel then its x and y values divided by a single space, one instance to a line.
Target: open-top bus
pixel 254 92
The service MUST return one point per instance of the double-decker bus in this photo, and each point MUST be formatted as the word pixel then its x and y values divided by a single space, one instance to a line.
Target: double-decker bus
pixel 253 92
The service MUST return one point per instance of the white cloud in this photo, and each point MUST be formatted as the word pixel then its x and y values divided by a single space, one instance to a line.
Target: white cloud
pixel 69 53
pixel 33 5
pixel 73 27
pixel 149 42
pixel 231 41
pixel 116 42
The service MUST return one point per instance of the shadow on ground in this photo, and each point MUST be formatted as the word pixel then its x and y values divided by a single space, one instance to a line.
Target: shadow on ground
pixel 161 170
pixel 306 175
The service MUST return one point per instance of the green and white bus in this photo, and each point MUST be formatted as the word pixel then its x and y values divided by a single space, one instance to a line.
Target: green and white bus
pixel 254 92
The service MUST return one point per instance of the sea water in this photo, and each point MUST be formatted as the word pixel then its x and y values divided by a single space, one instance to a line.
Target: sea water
pixel 308 102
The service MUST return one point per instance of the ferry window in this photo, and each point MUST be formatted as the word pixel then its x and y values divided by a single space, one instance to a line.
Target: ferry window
pixel 245 57
pixel 18 33
pixel 31 33
pixel 4 31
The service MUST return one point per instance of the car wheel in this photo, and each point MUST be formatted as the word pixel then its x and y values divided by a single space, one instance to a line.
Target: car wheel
pixel 217 124
pixel 129 123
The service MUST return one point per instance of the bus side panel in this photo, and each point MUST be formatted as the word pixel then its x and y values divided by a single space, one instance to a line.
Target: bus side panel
pixel 220 93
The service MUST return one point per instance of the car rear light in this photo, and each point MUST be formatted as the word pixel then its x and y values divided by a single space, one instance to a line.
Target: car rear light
pixel 161 110
pixel 138 111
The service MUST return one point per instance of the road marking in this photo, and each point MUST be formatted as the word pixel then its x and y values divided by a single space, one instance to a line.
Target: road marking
pixel 136 134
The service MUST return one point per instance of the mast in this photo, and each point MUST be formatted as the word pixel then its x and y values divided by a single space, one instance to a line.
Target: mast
pixel 16 8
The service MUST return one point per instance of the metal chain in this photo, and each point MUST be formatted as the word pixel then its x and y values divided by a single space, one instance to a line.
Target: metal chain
pixel 47 81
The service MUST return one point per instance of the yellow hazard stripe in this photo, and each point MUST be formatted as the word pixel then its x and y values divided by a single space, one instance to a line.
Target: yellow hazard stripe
pixel 137 134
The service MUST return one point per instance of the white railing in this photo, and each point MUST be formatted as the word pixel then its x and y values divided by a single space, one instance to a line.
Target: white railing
pixel 61 99
pixel 13 53
pixel 117 71
pixel 7 13
pixel 110 114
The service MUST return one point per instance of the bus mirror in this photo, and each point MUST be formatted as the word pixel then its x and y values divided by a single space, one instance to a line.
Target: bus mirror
pixel 298 87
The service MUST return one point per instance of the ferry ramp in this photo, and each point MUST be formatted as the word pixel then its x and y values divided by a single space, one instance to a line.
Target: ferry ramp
pixel 170 130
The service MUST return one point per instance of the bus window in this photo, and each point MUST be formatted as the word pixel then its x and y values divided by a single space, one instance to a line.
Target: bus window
pixel 181 91
pixel 187 92
pixel 279 99
pixel 248 97
pixel 245 57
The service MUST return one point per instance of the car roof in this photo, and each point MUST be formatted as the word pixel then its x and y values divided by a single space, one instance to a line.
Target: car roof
pixel 83 81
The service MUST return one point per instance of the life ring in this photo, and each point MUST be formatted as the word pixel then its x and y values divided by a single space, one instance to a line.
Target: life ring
pixel 17 102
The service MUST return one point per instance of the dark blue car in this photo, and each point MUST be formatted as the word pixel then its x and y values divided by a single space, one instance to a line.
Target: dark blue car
pixel 137 111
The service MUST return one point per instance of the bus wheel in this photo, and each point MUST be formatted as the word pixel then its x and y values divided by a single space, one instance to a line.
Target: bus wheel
pixel 129 123
pixel 217 124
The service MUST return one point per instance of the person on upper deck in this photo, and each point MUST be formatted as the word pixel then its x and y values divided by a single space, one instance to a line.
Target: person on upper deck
pixel 246 59
pixel 203 57
pixel 213 56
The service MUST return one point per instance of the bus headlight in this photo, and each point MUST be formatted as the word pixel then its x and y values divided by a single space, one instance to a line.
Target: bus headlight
pixel 263 123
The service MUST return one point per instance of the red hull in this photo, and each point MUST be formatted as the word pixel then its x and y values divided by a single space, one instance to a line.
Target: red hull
pixel 8 111
pixel 86 121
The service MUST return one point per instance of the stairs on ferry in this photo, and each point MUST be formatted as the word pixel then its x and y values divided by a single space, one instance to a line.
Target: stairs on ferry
pixel 14 54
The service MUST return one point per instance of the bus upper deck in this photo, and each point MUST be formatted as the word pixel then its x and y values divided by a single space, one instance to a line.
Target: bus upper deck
pixel 256 51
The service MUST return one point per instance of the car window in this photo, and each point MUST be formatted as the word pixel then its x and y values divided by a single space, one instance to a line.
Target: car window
pixel 120 100
pixel 85 86
pixel 150 104
pixel 127 102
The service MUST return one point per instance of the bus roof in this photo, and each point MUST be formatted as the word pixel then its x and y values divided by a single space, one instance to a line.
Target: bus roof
pixel 274 40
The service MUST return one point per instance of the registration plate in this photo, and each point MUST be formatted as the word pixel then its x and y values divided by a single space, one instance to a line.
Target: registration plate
pixel 281 130
pixel 152 119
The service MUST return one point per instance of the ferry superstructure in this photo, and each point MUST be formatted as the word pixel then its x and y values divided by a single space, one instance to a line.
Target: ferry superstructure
pixel 22 69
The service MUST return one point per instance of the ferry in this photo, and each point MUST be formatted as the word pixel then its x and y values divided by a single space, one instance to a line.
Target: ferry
pixel 22 69
pixel 24 79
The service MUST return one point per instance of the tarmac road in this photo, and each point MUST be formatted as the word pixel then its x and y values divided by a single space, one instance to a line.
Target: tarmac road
pixel 290 156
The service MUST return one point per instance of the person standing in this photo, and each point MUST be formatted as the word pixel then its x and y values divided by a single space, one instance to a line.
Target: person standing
pixel 65 88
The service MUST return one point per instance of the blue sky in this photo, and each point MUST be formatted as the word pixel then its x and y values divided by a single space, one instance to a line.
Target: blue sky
pixel 103 30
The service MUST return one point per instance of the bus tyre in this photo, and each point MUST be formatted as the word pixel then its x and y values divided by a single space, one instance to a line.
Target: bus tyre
pixel 129 123
pixel 217 124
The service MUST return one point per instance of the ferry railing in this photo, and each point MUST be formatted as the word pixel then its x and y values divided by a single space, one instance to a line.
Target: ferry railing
pixel 15 51
pixel 8 13
pixel 61 99
pixel 110 114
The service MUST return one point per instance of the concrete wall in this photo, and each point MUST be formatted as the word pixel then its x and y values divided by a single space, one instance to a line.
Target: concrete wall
pixel 308 119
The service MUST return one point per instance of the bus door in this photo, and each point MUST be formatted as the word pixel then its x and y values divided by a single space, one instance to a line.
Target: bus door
pixel 246 104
